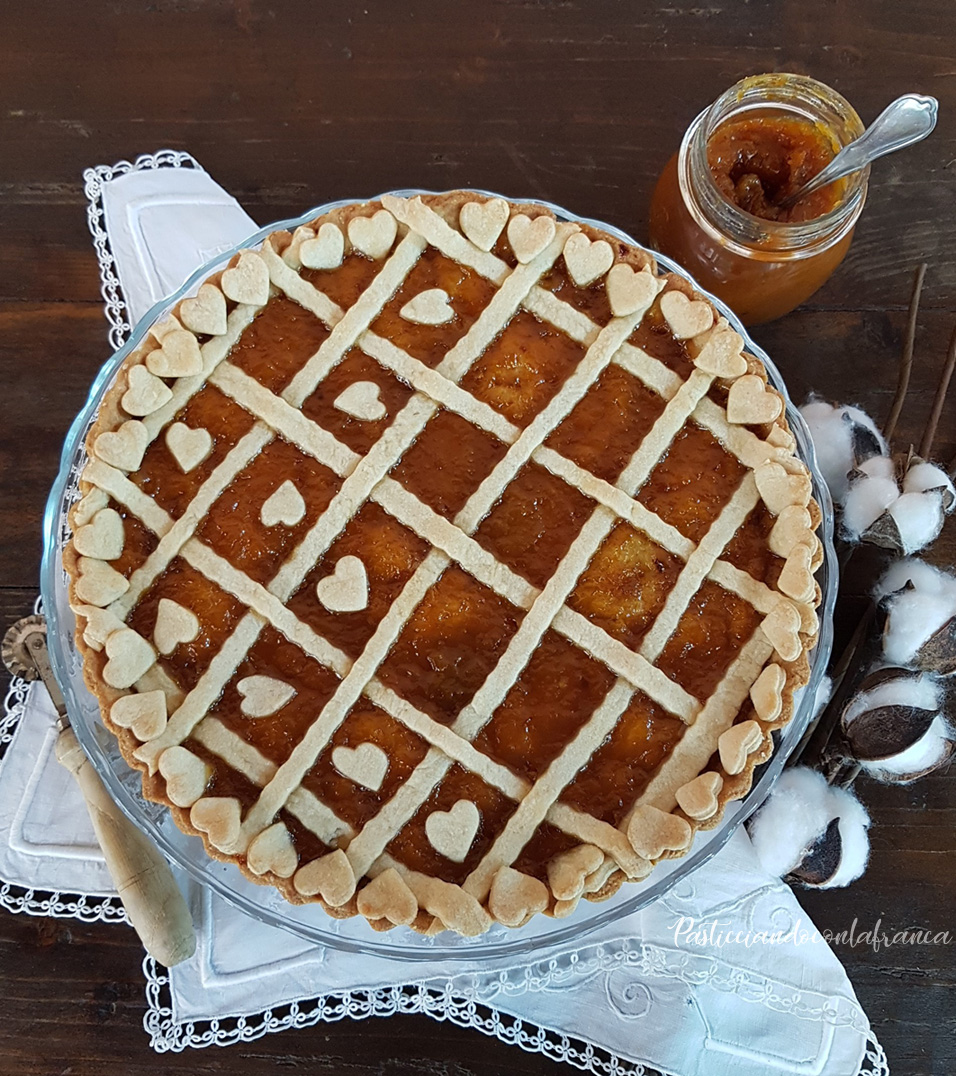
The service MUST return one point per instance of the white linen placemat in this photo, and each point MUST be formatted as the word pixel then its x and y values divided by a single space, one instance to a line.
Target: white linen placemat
pixel 724 976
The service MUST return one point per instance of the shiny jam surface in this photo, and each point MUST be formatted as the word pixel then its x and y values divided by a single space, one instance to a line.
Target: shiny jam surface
pixel 523 368
pixel 459 632
pixel 620 769
pixel 553 697
pixel 758 161
pixel 626 584
pixel 695 478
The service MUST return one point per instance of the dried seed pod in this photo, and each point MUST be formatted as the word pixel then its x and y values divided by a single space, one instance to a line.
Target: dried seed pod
pixel 821 860
pixel 892 710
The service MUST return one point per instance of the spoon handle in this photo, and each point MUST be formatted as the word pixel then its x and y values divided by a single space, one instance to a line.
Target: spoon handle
pixel 906 120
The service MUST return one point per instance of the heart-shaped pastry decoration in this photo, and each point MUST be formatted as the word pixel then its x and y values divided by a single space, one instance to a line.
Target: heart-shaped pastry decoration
pixel 361 401
pixel 178 357
pixel 455 908
pixel 373 236
pixel 750 402
pixel 161 329
pixel 186 775
pixel 686 317
pixel 146 393
pixel 123 448
pixel 284 506
pixel 326 250
pixel 102 537
pixel 219 817
pixel 722 354
pixel 88 505
pixel 248 280
pixel 100 625
pixel 737 744
pixel 791 529
pixel 796 579
pixel 568 870
pixel 188 446
pixel 529 237
pixel 698 798
pixel 263 696
pixel 767 693
pixel 330 878
pixel 483 222
pixel 175 624
pixel 99 584
pixel 450 833
pixel 515 897
pixel 144 713
pixel 130 656
pixel 629 292
pixel 388 897
pixel 272 852
pixel 290 255
pixel 206 313
pixel 782 628
pixel 779 490
pixel 652 832
pixel 366 764
pixel 586 261
pixel 346 589
pixel 428 308
pixel 781 438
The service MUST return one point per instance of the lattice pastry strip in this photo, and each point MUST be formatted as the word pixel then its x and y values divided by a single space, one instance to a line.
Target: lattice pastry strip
pixel 408 253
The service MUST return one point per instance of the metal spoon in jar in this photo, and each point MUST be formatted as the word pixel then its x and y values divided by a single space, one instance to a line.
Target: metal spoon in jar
pixel 908 119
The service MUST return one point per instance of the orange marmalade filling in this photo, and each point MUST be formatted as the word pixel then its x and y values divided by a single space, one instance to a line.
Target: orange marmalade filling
pixel 458 633
pixel 758 161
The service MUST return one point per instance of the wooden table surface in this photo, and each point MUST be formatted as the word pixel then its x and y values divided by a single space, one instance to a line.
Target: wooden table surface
pixel 580 102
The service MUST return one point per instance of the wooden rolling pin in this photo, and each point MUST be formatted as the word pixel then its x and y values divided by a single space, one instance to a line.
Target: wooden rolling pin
pixel 142 876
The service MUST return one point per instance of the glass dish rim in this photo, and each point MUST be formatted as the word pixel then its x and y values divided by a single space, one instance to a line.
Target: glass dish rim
pixel 384 945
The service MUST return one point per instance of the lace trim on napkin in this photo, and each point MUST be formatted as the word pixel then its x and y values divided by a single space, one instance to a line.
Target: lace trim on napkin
pixel 94 179
pixel 430 999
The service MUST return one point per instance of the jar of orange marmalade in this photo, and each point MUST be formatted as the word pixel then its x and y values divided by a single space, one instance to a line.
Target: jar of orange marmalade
pixel 717 209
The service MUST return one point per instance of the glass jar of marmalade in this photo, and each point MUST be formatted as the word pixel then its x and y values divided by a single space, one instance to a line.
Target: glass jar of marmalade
pixel 717 206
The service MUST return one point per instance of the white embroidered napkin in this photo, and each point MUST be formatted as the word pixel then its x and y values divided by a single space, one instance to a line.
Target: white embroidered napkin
pixel 724 976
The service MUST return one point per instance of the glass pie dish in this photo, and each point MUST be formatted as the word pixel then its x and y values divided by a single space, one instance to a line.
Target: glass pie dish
pixel 310 921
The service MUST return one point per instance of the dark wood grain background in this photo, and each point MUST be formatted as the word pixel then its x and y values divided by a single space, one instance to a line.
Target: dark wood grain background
pixel 289 104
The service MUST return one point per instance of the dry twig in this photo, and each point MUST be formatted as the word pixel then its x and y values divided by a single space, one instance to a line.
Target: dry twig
pixel 926 444
pixel 906 365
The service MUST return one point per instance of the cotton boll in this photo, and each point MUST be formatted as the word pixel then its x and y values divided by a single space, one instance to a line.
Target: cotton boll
pixel 931 752
pixel 822 696
pixel 917 521
pixel 867 439
pixel 790 821
pixel 854 823
pixel 922 476
pixel 843 437
pixel 915 573
pixel 913 618
pixel 833 442
pixel 872 490
pixel 809 833
pixel 892 711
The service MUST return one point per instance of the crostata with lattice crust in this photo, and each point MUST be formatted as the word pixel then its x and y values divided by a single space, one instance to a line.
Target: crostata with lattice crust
pixel 444 563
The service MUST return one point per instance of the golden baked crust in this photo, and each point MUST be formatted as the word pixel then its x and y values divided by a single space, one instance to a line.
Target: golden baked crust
pixel 444 563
